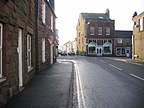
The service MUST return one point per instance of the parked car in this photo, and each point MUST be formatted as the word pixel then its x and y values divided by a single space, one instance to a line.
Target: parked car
pixel 72 53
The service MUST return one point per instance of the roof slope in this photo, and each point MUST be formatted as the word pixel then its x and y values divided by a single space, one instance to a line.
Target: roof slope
pixel 123 34
pixel 95 16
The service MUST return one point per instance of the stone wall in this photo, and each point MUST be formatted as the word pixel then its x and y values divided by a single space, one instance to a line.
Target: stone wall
pixel 15 14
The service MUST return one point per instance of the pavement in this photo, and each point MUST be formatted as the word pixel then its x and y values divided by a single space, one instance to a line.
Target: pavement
pixel 129 60
pixel 51 88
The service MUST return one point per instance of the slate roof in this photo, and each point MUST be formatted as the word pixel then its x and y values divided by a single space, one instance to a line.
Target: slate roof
pixel 95 16
pixel 123 34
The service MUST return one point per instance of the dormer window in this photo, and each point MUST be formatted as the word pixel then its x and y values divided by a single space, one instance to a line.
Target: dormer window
pixel 101 17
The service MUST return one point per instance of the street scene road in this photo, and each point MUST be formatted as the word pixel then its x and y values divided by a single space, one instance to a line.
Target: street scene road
pixel 108 82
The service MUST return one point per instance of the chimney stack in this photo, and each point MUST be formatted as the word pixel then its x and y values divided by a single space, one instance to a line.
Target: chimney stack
pixel 107 12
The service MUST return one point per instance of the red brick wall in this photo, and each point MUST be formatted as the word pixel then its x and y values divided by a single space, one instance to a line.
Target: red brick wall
pixel 44 32
pixel 14 15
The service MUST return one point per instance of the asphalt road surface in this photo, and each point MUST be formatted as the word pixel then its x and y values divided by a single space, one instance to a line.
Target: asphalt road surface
pixel 108 82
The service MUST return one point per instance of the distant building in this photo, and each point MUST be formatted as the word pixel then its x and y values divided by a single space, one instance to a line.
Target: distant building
pixel 138 36
pixel 95 34
pixel 123 43
pixel 69 47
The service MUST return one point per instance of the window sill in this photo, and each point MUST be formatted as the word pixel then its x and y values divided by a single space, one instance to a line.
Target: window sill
pixel 2 79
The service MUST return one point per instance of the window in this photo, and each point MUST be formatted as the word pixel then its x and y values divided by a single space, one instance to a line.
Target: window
pixel 91 30
pixel 51 22
pixel 90 41
pixel 107 31
pixel 29 60
pixel 120 51
pixel 1 34
pixel 43 50
pixel 43 12
pixel 101 17
pixel 92 48
pixel 99 42
pixel 107 48
pixel 99 30
pixel 141 24
pixel 119 40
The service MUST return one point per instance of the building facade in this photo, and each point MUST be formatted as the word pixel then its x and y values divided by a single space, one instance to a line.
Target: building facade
pixel 69 47
pixel 123 43
pixel 138 36
pixel 46 34
pixel 95 34
pixel 28 43
pixel 17 46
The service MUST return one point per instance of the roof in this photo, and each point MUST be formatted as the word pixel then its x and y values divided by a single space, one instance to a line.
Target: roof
pixel 95 16
pixel 123 34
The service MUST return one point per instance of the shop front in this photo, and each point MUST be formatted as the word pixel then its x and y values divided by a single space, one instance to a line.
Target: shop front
pixel 100 48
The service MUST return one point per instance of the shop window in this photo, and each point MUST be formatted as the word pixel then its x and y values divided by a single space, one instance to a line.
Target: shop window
pixel 107 48
pixel 90 41
pixel 99 42
pixel 120 51
pixel 92 50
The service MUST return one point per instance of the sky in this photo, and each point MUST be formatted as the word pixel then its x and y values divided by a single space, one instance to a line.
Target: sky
pixel 67 12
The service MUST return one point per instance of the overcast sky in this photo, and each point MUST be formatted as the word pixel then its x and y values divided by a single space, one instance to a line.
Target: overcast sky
pixel 67 12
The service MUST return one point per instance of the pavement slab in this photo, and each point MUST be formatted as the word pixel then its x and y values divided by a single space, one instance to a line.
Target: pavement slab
pixel 49 89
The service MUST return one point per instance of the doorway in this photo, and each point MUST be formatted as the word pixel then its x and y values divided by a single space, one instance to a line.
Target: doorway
pixel 99 51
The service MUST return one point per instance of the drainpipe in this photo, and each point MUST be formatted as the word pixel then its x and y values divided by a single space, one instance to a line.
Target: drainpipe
pixel 36 38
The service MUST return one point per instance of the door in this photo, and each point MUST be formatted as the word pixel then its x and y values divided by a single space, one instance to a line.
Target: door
pixel 51 53
pixel 19 49
pixel 128 52
pixel 99 51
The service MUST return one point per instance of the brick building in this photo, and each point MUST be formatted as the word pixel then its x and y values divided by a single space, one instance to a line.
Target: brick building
pixel 17 40
pixel 47 41
pixel 123 43
pixel 95 34
pixel 138 36
pixel 27 43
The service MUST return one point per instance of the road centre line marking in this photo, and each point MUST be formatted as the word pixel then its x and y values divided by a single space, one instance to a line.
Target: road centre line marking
pixel 102 61
pixel 115 67
pixel 137 77
pixel 79 88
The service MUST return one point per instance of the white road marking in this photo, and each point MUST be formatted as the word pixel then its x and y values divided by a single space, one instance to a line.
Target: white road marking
pixel 137 77
pixel 115 67
pixel 79 89
pixel 136 63
pixel 102 61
